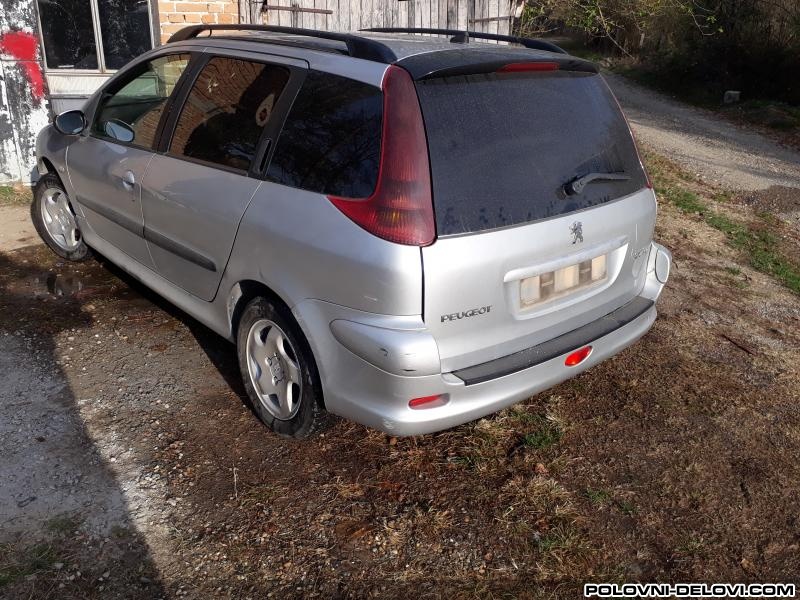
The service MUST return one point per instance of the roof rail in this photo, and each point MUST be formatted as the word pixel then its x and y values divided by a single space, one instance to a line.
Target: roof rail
pixel 357 47
pixel 463 36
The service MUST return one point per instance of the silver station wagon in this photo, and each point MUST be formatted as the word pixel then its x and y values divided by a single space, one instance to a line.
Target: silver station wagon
pixel 410 231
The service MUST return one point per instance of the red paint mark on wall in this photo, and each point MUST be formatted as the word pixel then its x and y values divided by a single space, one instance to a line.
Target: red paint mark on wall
pixel 24 47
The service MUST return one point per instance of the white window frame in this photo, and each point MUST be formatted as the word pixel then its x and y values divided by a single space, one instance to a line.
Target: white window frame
pixel 98 40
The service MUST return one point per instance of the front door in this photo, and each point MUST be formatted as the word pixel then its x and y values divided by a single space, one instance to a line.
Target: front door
pixel 107 165
pixel 195 194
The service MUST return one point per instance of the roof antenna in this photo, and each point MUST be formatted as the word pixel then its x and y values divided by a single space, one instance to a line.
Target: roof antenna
pixel 460 38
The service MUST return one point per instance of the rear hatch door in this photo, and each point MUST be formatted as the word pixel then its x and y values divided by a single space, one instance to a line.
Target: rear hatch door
pixel 522 254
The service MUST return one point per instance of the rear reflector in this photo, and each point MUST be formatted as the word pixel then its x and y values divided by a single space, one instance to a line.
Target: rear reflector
pixel 429 401
pixel 578 356
pixel 523 67
pixel 401 207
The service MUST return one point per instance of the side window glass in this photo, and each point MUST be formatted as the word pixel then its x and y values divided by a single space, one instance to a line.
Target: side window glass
pixel 331 140
pixel 229 105
pixel 132 112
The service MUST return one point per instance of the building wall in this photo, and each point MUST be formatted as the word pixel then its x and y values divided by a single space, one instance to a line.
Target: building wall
pixel 29 94
pixel 23 100
pixel 176 15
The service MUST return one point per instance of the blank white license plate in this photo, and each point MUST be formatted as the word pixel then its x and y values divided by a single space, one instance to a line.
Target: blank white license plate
pixel 561 282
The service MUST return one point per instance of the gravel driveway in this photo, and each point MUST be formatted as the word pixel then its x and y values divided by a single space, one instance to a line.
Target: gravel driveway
pixel 719 152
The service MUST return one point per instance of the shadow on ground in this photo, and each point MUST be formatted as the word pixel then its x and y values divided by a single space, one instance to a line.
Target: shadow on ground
pixel 65 525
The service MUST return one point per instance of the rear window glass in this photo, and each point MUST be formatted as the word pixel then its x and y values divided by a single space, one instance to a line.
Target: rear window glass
pixel 331 140
pixel 503 146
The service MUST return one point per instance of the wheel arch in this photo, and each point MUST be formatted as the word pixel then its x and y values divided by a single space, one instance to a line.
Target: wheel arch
pixel 243 292
pixel 240 296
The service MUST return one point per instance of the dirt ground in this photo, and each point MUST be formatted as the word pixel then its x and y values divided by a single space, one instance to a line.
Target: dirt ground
pixel 134 469
pixel 705 144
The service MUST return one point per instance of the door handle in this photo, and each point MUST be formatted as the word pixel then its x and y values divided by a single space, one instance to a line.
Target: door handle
pixel 128 180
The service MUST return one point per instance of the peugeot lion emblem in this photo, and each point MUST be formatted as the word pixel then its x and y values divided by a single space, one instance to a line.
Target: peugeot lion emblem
pixel 576 229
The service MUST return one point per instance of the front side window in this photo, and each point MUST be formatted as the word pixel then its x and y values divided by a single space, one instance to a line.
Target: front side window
pixel 137 106
pixel 71 40
pixel 226 111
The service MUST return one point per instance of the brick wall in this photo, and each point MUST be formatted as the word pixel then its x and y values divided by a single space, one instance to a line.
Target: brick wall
pixel 176 15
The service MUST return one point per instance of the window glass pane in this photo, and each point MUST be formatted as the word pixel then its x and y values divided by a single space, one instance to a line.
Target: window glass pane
pixel 140 101
pixel 332 137
pixel 68 34
pixel 125 30
pixel 502 147
pixel 226 111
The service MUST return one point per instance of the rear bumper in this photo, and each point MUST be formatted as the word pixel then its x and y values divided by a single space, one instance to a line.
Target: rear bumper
pixel 375 390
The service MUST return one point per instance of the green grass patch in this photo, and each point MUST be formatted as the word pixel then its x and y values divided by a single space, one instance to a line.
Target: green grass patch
pixel 626 507
pixel 545 435
pixel 760 245
pixel 14 195
pixel 20 564
pixel 62 524
pixel 597 496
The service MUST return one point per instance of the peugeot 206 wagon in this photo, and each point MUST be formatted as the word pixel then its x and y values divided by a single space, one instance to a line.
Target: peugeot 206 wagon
pixel 410 231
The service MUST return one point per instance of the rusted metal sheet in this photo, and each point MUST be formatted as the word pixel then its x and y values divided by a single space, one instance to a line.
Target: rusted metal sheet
pixel 23 98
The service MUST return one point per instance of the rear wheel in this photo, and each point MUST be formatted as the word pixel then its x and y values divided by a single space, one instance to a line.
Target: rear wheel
pixel 279 371
pixel 55 220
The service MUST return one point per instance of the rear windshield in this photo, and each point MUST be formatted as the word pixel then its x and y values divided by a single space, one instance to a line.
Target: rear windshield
pixel 503 146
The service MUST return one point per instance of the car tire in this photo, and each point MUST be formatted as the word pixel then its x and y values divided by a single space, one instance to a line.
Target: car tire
pixel 55 221
pixel 279 372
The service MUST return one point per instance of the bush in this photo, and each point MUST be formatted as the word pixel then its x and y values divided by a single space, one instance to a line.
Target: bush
pixel 748 45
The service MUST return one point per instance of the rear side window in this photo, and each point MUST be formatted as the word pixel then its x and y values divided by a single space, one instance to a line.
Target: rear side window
pixel 225 113
pixel 331 140
pixel 503 146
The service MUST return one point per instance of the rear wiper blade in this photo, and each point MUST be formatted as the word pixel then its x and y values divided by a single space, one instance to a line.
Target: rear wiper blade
pixel 577 185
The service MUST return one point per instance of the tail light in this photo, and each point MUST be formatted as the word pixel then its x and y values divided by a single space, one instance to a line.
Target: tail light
pixel 400 209
pixel 523 67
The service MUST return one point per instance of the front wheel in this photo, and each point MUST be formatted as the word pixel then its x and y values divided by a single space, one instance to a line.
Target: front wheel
pixel 279 371
pixel 54 219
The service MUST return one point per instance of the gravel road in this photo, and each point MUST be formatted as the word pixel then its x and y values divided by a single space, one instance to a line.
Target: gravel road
pixel 719 152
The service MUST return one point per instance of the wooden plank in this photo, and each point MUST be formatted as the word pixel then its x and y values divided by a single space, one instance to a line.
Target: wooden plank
pixel 506 9
pixel 461 20
pixel 317 11
pixel 494 11
pixel 490 19
pixel 402 14
pixel 480 13
pixel 452 14
pixel 343 8
pixel 334 20
pixel 422 12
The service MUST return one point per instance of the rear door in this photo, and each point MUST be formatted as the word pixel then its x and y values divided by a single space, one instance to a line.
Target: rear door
pixel 521 256
pixel 105 171
pixel 195 193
